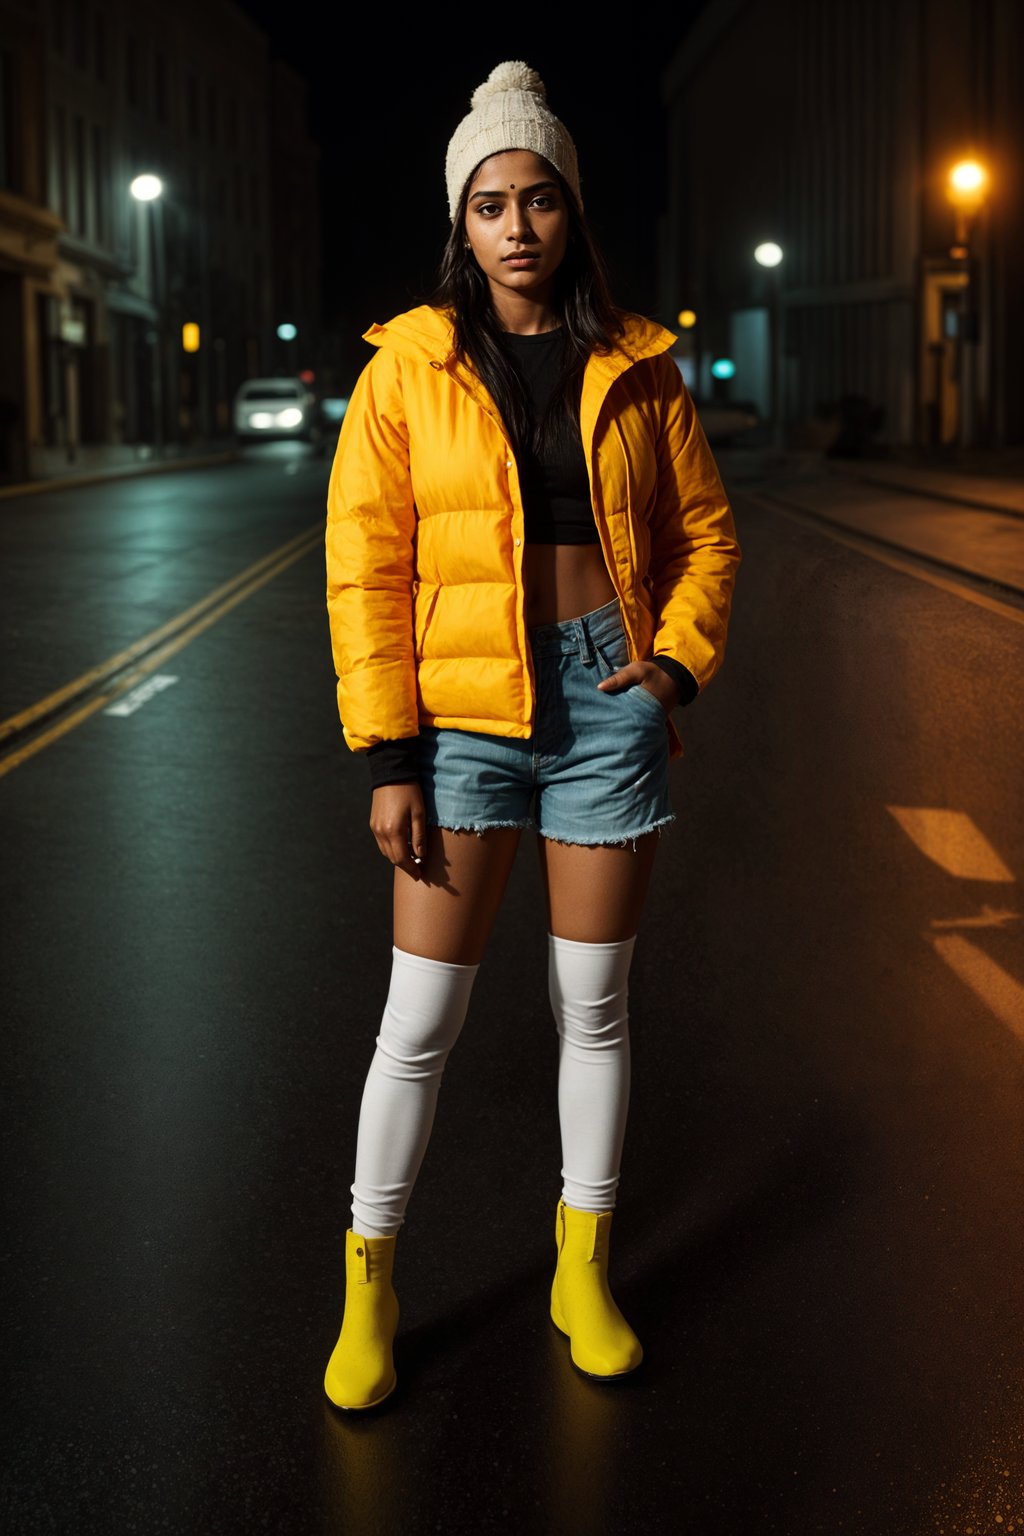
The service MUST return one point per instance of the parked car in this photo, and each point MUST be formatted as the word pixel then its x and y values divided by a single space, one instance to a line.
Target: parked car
pixel 277 408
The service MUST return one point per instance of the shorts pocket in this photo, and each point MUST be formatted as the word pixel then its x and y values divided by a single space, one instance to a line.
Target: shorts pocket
pixel 612 653
pixel 648 700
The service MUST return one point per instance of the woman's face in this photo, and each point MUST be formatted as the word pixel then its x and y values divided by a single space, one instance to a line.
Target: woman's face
pixel 517 224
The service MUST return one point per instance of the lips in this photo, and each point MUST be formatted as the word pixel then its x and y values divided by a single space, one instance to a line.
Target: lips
pixel 521 259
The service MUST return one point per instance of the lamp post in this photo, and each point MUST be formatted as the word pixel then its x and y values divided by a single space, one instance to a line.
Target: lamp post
pixel 769 255
pixel 689 358
pixel 288 333
pixel 967 189
pixel 147 188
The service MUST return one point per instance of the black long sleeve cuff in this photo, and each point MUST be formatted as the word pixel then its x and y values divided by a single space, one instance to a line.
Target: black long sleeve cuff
pixel 684 680
pixel 394 762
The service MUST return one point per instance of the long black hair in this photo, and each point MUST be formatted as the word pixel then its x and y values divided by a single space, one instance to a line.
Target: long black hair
pixel 581 299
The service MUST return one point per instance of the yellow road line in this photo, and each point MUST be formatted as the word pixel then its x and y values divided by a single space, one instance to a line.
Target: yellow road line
pixel 285 557
pixel 102 669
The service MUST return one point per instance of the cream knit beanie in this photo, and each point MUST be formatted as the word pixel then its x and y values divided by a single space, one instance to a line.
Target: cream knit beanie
pixel 509 111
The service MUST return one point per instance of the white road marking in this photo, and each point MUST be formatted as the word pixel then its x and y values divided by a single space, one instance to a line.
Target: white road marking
pixel 988 917
pixel 140 695
pixel 951 840
pixel 997 989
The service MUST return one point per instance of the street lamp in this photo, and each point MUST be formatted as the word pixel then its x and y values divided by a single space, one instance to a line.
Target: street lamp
pixel 147 188
pixel 769 255
pixel 967 189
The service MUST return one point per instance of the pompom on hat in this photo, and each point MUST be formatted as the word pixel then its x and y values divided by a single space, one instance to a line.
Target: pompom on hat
pixel 509 111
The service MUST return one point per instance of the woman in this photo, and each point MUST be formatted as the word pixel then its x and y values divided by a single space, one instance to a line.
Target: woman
pixel 530 563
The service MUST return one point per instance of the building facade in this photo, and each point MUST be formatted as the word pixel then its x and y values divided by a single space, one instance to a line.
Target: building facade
pixel 96 286
pixel 830 128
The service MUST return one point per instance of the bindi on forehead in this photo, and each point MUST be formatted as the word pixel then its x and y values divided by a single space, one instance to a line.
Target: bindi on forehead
pixel 511 186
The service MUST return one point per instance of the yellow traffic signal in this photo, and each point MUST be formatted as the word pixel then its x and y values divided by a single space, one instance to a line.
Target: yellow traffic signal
pixel 190 336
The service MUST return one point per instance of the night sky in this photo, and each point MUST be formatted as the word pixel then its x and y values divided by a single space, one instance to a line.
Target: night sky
pixel 385 97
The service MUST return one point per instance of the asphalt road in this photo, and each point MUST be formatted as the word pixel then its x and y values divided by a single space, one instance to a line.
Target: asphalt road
pixel 820 1231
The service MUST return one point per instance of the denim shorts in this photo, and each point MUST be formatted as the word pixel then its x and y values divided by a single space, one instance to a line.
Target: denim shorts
pixel 595 770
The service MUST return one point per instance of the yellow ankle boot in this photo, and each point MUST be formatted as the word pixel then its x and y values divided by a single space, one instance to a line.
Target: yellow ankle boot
pixel 361 1370
pixel 601 1342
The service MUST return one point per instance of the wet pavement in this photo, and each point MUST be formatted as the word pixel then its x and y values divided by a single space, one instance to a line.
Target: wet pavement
pixel 819 1234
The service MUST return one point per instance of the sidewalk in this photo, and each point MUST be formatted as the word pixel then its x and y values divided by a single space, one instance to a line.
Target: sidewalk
pixel 976 477
pixel 965 513
pixel 53 470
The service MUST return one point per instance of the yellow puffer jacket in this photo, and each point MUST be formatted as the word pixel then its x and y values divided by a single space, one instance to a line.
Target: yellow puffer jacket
pixel 425 532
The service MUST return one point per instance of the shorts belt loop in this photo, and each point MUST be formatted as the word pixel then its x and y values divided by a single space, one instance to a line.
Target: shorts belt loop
pixel 586 649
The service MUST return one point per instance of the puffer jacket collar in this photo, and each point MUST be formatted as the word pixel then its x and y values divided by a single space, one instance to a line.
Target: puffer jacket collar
pixel 424 335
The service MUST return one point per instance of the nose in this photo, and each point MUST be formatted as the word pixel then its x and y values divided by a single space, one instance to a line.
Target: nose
pixel 518 223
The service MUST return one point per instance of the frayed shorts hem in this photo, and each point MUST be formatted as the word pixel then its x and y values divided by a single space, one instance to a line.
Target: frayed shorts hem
pixel 611 842
pixel 566 842
pixel 479 827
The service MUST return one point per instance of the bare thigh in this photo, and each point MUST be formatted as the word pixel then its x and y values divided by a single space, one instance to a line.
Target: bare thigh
pixel 596 895
pixel 445 908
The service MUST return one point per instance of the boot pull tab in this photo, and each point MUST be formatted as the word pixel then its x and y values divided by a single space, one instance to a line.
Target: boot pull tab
pixel 599 1238
pixel 362 1262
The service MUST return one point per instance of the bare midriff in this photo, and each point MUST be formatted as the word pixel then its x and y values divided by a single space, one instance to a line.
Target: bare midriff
pixel 563 581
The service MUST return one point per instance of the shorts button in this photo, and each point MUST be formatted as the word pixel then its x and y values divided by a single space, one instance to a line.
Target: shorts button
pixel 508 463
pixel 518 542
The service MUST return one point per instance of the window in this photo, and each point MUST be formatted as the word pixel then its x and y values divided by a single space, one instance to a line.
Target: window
pixel 60 167
pixel 80 15
pixel 99 181
pixel 80 173
pixel 58 15
pixel 100 45
pixel 161 88
pixel 9 177
pixel 131 70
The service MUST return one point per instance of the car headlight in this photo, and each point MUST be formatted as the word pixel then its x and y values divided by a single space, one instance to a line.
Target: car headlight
pixel 261 419
pixel 290 418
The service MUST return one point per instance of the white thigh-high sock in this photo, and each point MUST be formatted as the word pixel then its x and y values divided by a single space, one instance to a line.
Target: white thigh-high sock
pixel 426 1008
pixel 589 987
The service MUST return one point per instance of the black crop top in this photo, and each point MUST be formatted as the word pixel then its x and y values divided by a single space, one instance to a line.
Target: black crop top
pixel 555 488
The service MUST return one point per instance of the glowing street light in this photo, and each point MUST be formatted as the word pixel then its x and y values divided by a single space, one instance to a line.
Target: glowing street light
pixel 768 253
pixel 968 183
pixel 146 188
